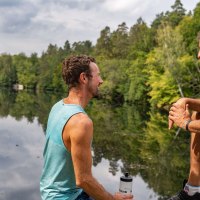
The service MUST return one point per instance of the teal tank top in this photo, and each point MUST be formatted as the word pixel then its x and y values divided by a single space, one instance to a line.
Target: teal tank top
pixel 57 181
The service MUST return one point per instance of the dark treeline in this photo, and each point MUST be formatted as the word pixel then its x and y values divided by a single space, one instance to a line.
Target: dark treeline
pixel 155 64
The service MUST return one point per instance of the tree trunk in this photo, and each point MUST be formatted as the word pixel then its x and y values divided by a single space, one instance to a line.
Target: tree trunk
pixel 179 88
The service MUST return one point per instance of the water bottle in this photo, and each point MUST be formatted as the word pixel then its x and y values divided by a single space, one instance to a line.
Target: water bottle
pixel 126 183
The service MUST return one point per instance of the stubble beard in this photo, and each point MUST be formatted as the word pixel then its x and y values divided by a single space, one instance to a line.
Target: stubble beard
pixel 95 94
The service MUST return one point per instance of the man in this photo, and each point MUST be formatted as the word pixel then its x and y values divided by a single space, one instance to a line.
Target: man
pixel 67 167
pixel 180 115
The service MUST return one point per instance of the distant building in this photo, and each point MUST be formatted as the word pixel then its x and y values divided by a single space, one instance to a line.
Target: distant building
pixel 18 87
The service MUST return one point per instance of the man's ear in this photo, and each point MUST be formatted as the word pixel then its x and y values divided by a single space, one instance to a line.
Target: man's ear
pixel 83 78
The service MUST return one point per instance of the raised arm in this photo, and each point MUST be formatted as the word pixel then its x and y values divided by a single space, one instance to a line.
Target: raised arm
pixel 194 104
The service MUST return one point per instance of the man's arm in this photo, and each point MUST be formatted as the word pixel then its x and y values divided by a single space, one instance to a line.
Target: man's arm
pixel 81 133
pixel 194 104
pixel 194 126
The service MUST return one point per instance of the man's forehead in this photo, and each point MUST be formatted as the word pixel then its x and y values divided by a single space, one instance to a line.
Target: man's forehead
pixel 94 67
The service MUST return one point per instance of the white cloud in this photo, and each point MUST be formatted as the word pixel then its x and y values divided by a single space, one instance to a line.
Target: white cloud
pixel 31 25
pixel 120 5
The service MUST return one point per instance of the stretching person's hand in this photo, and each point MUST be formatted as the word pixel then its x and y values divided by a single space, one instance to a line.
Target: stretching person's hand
pixel 179 115
pixel 182 104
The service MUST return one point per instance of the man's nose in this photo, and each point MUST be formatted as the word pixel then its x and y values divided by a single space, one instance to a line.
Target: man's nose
pixel 101 80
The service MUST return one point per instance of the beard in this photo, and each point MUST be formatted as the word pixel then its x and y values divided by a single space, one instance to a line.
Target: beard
pixel 96 94
pixel 94 91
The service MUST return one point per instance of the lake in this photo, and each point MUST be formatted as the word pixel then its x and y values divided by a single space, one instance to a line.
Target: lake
pixel 127 138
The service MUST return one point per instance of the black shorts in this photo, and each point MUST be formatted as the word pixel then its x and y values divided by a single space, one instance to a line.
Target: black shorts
pixel 83 196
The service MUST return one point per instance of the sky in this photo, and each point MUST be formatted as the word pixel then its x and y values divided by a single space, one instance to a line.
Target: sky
pixel 29 26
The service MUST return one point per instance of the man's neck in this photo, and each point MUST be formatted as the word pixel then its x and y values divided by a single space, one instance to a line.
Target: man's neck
pixel 77 97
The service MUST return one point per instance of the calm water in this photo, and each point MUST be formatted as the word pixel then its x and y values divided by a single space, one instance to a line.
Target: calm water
pixel 126 138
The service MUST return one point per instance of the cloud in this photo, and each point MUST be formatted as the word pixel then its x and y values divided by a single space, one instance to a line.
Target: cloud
pixel 120 5
pixel 31 25
pixel 10 3
pixel 16 16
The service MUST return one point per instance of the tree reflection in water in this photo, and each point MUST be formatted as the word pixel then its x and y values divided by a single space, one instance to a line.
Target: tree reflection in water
pixel 132 134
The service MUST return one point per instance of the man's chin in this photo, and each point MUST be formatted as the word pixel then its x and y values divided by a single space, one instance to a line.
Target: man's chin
pixel 97 95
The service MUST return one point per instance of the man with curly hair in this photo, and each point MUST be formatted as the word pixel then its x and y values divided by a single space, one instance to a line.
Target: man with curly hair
pixel 67 166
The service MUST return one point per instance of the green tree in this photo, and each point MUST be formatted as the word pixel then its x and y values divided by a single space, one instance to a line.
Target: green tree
pixel 26 70
pixel 138 89
pixel 168 67
pixel 115 84
pixel 140 39
pixel 160 18
pixel 141 42
pixel 8 74
pixel 119 41
pixel 103 46
pixel 176 15
pixel 48 62
pixel 189 28
pixel 65 51
pixel 58 82
pixel 82 47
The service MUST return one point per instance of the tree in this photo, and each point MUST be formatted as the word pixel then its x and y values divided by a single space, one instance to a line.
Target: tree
pixel 104 46
pixel 58 82
pixel 115 84
pixel 48 61
pixel 168 68
pixel 65 51
pixel 140 39
pixel 160 18
pixel 84 47
pixel 138 89
pixel 26 70
pixel 120 43
pixel 8 74
pixel 176 15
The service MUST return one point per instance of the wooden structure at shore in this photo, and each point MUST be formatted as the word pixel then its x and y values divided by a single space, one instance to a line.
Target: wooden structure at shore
pixel 18 87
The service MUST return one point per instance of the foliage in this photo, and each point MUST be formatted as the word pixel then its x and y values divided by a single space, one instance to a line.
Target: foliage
pixel 169 68
pixel 115 79
pixel 155 64
pixel 7 70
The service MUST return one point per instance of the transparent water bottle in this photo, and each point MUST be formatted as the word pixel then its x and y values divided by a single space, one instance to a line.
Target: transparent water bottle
pixel 126 183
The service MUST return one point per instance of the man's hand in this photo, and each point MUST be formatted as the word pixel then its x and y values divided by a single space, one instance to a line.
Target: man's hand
pixel 182 103
pixel 179 115
pixel 120 196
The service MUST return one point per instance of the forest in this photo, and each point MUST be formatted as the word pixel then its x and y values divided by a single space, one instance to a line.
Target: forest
pixel 154 64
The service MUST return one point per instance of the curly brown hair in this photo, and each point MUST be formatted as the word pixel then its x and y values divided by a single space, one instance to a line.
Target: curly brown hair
pixel 72 68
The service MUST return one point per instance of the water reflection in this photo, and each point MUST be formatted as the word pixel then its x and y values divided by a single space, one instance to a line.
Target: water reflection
pixel 127 138
pixel 20 158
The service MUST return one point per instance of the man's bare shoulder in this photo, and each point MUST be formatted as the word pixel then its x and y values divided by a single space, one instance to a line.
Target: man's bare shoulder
pixel 81 119
pixel 80 129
